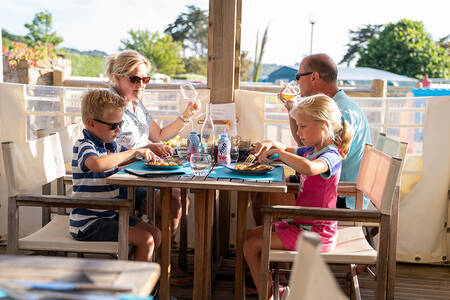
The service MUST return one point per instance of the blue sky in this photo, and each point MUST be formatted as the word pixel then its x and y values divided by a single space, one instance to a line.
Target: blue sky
pixel 101 24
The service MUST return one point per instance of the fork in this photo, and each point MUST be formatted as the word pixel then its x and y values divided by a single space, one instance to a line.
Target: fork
pixel 248 161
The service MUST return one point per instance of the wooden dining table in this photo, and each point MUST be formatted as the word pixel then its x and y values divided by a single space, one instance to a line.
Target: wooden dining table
pixel 204 189
pixel 91 276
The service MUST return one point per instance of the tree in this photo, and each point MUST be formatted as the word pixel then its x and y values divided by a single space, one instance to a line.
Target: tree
pixel 191 29
pixel 258 58
pixel 358 41
pixel 406 48
pixel 40 30
pixel 196 65
pixel 244 68
pixel 163 52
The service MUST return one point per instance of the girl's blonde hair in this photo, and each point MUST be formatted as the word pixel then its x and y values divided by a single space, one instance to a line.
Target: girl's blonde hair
pixel 124 63
pixel 322 108
pixel 95 102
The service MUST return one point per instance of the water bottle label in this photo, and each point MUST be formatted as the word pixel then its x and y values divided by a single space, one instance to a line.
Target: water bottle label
pixel 193 145
pixel 223 152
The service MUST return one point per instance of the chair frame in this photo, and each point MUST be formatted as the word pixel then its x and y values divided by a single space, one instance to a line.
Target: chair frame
pixel 61 201
pixel 386 218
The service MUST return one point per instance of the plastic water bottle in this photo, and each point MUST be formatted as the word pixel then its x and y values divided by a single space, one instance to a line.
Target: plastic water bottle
pixel 223 150
pixel 193 144
pixel 207 134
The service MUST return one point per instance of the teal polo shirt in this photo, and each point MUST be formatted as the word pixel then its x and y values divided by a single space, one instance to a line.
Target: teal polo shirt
pixel 355 117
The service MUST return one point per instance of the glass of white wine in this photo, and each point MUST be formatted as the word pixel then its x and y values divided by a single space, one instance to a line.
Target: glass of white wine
pixel 290 91
pixel 189 92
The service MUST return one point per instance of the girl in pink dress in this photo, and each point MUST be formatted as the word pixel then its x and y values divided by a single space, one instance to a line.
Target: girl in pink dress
pixel 326 137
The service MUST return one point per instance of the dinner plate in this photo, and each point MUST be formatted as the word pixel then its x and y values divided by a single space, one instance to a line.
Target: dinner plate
pixel 231 167
pixel 156 167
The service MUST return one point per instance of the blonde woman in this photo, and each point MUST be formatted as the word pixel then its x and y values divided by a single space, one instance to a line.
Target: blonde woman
pixel 128 73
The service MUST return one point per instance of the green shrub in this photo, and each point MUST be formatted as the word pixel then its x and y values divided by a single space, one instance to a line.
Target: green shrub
pixel 84 65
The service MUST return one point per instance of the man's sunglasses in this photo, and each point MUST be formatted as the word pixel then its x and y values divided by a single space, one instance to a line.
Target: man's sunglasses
pixel 112 126
pixel 298 75
pixel 137 79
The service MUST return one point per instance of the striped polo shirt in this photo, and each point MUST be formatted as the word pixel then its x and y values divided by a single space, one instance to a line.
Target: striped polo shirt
pixel 90 184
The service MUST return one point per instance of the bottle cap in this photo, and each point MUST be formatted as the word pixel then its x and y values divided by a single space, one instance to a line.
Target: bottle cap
pixel 193 132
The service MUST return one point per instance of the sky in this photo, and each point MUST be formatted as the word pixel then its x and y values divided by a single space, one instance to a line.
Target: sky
pixel 101 24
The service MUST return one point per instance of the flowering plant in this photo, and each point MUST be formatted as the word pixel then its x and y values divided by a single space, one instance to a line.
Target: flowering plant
pixel 20 52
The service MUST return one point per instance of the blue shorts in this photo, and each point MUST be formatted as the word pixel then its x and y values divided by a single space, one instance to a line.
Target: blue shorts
pixel 104 230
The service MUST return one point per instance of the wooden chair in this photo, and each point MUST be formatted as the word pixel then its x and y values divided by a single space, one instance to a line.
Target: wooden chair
pixel 377 179
pixel 311 278
pixel 35 163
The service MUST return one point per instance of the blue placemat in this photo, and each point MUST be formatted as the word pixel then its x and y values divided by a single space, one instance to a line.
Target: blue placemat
pixel 222 172
pixel 141 167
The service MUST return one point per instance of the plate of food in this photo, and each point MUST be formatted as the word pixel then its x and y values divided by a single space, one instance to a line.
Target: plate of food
pixel 252 169
pixel 170 163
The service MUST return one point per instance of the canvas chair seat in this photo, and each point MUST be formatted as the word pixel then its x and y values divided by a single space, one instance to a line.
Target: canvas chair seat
pixel 55 236
pixel 351 245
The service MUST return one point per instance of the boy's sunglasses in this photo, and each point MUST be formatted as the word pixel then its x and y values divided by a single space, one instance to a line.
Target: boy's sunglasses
pixel 298 75
pixel 112 126
pixel 137 79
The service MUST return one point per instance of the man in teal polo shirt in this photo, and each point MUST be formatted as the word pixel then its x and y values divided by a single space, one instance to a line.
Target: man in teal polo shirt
pixel 317 74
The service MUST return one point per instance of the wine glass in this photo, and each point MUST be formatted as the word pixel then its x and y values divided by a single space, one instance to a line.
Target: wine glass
pixel 290 91
pixel 189 92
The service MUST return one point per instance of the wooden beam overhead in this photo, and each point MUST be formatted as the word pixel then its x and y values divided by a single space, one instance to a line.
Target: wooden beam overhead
pixel 222 52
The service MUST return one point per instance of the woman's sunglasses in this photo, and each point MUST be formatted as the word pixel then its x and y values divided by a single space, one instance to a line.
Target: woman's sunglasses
pixel 112 126
pixel 137 79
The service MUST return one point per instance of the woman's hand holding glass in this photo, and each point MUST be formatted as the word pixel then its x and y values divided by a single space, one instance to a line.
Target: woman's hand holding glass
pixel 161 149
pixel 192 109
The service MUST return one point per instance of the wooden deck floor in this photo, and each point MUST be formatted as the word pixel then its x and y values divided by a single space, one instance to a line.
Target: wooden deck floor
pixel 413 282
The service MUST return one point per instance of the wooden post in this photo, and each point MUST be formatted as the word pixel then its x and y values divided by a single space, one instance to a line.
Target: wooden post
pixel 58 77
pixel 221 69
pixel 237 52
pixel 379 87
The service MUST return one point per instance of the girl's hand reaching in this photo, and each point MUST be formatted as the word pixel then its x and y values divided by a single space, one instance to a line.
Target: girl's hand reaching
pixel 262 147
pixel 266 156
pixel 265 146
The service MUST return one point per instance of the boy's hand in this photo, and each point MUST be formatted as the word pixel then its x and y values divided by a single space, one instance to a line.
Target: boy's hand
pixel 147 154
pixel 161 149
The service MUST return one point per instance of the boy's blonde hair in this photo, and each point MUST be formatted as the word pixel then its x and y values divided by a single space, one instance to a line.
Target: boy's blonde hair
pixel 95 102
pixel 322 108
pixel 124 63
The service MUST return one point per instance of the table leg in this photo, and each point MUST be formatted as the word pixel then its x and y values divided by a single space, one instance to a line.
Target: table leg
pixel 166 237
pixel 182 258
pixel 203 234
pixel 242 207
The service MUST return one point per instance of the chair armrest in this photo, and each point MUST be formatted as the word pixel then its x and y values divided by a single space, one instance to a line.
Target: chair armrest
pixel 67 179
pixel 313 213
pixel 346 188
pixel 71 202
pixel 292 187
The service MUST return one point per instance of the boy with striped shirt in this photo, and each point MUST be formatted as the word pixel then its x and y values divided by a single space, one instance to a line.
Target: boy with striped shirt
pixel 95 157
